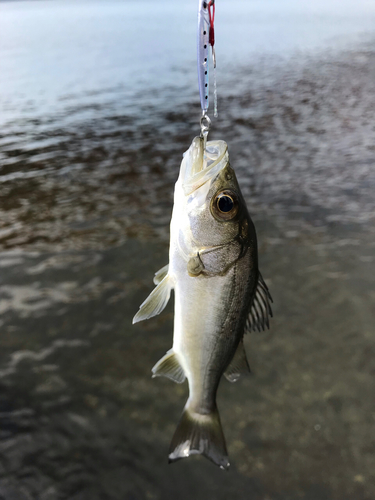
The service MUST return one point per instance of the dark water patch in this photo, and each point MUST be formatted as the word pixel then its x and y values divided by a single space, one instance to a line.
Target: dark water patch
pixel 81 416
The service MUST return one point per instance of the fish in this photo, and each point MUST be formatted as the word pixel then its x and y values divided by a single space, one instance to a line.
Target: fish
pixel 219 294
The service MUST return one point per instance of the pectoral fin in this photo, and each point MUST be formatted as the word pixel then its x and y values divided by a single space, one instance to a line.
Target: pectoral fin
pixel 161 274
pixel 239 365
pixel 169 366
pixel 260 311
pixel 156 301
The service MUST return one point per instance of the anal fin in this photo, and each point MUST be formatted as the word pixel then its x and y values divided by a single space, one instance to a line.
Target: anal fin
pixel 239 364
pixel 169 366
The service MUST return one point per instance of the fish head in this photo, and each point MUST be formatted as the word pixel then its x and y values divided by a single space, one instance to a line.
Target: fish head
pixel 213 208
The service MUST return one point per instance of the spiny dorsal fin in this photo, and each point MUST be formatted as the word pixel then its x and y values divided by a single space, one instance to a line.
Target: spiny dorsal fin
pixel 260 310
pixel 161 274
pixel 155 302
pixel 169 366
pixel 239 364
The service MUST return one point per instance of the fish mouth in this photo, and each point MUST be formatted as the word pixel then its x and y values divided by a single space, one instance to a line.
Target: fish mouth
pixel 200 165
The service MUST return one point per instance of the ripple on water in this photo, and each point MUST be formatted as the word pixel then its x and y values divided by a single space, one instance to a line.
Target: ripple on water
pixel 300 143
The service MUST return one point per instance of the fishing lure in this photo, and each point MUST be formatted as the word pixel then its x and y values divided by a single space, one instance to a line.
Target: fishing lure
pixel 206 38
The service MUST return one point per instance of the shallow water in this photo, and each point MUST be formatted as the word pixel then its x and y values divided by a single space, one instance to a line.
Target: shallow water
pixel 88 162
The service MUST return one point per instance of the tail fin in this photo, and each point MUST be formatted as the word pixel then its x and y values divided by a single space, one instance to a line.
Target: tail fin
pixel 199 434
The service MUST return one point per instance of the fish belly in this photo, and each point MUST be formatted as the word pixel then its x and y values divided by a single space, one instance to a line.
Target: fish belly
pixel 209 319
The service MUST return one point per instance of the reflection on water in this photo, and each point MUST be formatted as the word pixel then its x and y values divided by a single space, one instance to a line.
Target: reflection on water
pixel 301 145
pixel 86 184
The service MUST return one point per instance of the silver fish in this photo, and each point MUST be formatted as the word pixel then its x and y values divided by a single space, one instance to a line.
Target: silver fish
pixel 219 294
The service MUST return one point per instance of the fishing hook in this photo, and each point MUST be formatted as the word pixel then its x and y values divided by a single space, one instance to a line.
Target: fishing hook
pixel 205 127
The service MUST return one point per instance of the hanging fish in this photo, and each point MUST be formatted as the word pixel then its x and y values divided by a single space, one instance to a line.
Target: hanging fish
pixel 219 294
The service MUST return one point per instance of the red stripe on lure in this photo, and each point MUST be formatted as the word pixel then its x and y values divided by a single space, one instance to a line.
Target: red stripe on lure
pixel 211 15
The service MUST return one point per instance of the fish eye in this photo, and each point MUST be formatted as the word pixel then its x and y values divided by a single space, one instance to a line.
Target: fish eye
pixel 224 205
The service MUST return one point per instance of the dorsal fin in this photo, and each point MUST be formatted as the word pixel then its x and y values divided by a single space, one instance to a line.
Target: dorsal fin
pixel 239 364
pixel 260 311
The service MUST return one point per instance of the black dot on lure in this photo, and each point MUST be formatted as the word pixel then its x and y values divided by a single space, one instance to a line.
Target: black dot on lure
pixel 205 5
